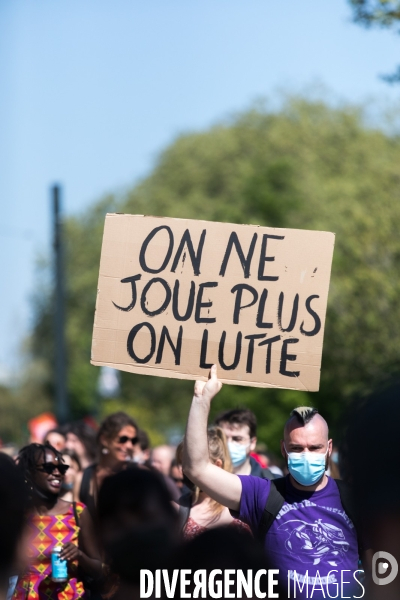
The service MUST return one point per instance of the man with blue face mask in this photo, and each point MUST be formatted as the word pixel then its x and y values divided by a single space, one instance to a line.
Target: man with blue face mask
pixel 311 540
pixel 240 428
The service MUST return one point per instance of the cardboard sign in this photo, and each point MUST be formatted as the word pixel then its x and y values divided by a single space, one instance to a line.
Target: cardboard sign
pixel 176 296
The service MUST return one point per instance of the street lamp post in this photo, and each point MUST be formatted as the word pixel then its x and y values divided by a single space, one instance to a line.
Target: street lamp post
pixel 62 407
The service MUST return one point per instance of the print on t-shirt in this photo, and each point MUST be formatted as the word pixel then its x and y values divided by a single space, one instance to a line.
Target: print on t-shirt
pixel 311 542
pixel 312 538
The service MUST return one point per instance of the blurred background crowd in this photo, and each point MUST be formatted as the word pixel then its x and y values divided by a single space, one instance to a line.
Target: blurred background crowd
pixel 134 508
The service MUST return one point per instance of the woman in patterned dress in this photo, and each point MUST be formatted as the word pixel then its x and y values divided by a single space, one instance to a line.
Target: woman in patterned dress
pixel 54 522
pixel 199 510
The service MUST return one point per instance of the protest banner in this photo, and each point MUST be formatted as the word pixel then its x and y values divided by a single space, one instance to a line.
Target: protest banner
pixel 176 296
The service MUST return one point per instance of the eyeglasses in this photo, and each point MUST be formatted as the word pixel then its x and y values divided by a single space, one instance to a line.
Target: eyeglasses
pixel 49 468
pixel 124 438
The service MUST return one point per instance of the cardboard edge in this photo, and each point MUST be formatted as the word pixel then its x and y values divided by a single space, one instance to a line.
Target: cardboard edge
pixel 221 223
pixel 189 377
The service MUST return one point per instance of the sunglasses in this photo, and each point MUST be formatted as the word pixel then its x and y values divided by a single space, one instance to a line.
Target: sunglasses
pixel 124 438
pixel 49 468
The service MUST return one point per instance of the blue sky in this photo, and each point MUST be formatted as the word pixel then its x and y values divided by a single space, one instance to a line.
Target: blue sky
pixel 92 91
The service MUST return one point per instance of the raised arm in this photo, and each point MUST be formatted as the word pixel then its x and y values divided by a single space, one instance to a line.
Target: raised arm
pixel 222 486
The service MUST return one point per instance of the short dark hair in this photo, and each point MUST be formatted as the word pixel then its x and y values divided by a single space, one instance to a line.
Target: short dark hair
pixel 304 414
pixel 134 490
pixel 239 416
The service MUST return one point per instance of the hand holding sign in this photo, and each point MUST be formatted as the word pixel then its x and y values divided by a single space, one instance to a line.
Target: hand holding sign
pixel 209 389
pixel 177 296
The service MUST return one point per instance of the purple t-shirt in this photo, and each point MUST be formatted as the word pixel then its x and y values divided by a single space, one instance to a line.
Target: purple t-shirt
pixel 311 533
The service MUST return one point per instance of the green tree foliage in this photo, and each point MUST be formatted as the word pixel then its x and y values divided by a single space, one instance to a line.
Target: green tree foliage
pixel 305 166
pixel 384 13
pixel 380 13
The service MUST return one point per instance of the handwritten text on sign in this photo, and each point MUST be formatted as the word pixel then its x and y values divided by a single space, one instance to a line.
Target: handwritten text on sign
pixel 176 296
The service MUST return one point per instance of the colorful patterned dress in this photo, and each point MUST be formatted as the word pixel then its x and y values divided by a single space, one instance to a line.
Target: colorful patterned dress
pixel 47 532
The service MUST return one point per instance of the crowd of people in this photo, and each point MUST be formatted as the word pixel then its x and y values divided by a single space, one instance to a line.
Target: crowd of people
pixel 111 506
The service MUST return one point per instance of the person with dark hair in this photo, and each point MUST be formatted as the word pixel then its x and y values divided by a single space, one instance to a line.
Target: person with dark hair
pixel 13 506
pixel 370 459
pixel 53 522
pixel 240 428
pixel 139 527
pixel 219 550
pixel 116 440
pixel 81 439
pixel 302 519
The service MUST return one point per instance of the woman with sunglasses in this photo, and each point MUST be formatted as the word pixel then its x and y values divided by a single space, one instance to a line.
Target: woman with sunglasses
pixel 53 522
pixel 116 439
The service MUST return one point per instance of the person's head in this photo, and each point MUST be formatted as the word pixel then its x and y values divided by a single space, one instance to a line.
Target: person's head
pixel 240 428
pixel 81 439
pixel 43 468
pixel 56 438
pixel 218 455
pixel 223 549
pixel 176 474
pixel 306 446
pixel 133 497
pixel 141 452
pixel 71 459
pixel 10 449
pixel 370 456
pixel 13 506
pixel 117 437
pixel 138 523
pixel 161 458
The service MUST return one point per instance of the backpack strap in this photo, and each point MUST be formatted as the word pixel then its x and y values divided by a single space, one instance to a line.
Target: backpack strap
pixel 267 474
pixel 273 505
pixel 185 504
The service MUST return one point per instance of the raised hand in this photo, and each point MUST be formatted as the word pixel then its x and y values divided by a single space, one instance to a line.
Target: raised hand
pixel 209 389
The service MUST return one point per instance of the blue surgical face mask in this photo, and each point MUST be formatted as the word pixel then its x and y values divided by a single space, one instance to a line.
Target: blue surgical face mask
pixel 306 467
pixel 238 453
